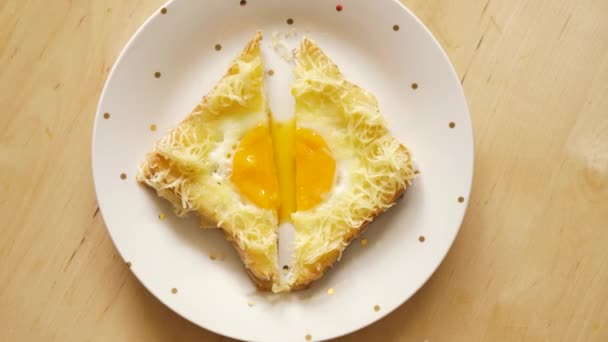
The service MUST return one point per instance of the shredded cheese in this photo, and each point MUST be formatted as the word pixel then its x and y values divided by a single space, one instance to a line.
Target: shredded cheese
pixel 377 166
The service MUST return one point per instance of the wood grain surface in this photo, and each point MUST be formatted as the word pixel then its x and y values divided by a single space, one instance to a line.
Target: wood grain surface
pixel 531 260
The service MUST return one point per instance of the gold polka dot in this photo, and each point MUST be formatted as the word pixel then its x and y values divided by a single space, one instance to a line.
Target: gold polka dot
pixel 452 125
pixel 123 176
pixel 153 127
pixel 174 290
pixel 157 74
pixel 290 21
pixel 270 72
pixel 460 199
pixel 285 267
pixel 376 307
pixel 414 86
pixel 243 2
pixel 416 172
pixel 212 256
pixel 218 47
pixel 161 216
pixel 163 10
pixel 395 27
pixel 421 238
pixel 128 264
pixel 308 337
pixel 363 242
pixel 331 291
pixel 106 116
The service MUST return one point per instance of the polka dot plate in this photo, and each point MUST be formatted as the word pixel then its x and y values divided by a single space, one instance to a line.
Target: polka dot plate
pixel 177 56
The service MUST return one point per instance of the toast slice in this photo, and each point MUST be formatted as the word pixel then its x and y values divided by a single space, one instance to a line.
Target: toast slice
pixel 191 166
pixel 374 168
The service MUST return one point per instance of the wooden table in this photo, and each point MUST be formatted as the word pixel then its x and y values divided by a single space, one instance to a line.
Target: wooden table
pixel 531 260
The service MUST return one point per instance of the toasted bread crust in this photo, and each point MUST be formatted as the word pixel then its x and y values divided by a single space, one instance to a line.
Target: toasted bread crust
pixel 262 283
pixel 303 282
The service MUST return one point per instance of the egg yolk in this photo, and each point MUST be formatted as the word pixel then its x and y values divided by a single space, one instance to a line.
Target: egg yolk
pixel 254 171
pixel 286 169
pixel 284 145
pixel 315 168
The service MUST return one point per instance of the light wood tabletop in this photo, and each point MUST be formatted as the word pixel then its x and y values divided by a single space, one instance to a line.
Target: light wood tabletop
pixel 530 262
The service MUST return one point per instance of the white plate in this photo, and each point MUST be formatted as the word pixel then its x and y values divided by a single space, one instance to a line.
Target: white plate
pixel 179 41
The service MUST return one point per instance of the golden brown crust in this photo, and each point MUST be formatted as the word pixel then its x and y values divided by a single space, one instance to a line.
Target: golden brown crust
pixel 305 281
pixel 262 283
pixel 148 171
